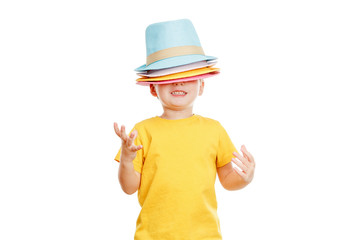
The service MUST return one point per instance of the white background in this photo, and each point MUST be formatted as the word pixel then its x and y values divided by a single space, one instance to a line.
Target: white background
pixel 288 91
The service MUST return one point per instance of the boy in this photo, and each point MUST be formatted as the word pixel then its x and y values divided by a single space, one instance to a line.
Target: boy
pixel 172 159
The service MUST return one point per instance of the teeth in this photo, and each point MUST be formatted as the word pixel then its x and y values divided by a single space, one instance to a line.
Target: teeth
pixel 178 93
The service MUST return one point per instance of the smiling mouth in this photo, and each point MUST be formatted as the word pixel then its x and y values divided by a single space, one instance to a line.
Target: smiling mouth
pixel 178 93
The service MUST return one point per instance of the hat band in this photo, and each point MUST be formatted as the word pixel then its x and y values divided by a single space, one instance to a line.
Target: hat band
pixel 173 52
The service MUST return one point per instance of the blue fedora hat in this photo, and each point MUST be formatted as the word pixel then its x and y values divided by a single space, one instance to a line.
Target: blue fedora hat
pixel 171 44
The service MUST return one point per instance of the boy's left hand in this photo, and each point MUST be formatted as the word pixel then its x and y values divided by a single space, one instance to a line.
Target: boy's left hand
pixel 246 164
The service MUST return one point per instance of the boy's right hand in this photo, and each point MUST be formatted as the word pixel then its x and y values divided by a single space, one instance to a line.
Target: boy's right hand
pixel 128 148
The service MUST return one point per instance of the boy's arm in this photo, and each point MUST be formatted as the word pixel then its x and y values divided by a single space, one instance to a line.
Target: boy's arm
pixel 129 178
pixel 229 179
pixel 233 178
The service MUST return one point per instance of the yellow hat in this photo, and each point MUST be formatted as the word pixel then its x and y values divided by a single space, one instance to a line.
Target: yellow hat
pixel 185 74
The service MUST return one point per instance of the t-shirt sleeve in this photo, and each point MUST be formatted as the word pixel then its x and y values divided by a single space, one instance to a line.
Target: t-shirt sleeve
pixel 225 148
pixel 138 161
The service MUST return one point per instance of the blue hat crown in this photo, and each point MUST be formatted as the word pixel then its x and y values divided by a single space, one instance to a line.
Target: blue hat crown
pixel 171 44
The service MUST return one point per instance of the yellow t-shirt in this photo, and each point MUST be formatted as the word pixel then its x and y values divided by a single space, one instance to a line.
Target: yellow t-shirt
pixel 178 164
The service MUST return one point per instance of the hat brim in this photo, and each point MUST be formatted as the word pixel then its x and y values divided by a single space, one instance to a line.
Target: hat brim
pixel 185 74
pixel 175 61
pixel 187 79
pixel 183 68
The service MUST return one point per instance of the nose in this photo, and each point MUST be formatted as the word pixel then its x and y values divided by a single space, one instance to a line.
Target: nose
pixel 179 83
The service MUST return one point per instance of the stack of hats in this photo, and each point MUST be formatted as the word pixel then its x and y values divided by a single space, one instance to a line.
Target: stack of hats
pixel 174 54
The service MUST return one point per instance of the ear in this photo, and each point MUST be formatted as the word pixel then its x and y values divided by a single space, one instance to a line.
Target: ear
pixel 153 90
pixel 202 84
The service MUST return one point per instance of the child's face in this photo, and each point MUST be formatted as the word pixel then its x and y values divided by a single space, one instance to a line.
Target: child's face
pixel 178 96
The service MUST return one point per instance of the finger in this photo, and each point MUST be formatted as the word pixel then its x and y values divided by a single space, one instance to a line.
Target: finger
pixel 245 162
pixel 136 148
pixel 133 135
pixel 242 159
pixel 123 135
pixel 132 138
pixel 244 152
pixel 239 164
pixel 116 128
pixel 236 154
pixel 241 173
pixel 247 154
